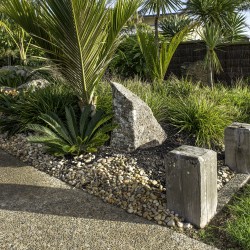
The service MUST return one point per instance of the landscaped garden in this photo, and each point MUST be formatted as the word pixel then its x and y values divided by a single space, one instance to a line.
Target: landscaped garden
pixel 57 60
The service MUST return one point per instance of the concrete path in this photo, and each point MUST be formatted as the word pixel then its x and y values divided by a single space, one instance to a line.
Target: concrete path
pixel 40 212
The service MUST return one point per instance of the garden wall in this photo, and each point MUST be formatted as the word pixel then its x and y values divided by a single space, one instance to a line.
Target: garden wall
pixel 234 58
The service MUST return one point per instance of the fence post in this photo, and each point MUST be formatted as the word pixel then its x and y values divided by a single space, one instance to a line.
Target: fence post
pixel 191 183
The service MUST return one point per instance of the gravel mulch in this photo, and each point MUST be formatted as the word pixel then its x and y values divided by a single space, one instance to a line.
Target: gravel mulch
pixel 134 181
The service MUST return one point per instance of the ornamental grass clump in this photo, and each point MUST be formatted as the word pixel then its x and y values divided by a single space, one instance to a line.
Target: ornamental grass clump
pixel 201 118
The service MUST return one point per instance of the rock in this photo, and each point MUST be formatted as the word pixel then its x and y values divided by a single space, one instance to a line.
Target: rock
pixel 130 210
pixel 137 126
pixel 171 223
pixel 179 224
pixel 187 225
pixel 34 84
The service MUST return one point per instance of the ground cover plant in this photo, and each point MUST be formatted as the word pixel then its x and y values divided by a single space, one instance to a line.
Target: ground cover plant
pixel 231 229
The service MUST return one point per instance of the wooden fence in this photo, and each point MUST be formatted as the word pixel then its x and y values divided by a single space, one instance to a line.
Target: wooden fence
pixel 234 58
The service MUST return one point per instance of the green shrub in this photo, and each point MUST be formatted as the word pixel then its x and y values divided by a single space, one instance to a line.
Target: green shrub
pixel 19 111
pixel 200 118
pixel 72 137
pixel 128 61
pixel 12 77
pixel 239 96
pixel 104 97
pixel 181 87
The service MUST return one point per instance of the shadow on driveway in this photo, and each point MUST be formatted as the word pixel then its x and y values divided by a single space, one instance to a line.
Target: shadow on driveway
pixel 62 202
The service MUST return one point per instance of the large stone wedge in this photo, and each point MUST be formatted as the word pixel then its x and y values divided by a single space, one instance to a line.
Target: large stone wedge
pixel 137 126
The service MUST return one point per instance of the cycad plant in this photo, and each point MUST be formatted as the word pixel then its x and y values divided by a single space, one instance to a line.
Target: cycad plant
pixel 80 36
pixel 25 108
pixel 72 137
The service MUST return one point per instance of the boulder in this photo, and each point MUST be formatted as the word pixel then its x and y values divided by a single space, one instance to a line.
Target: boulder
pixel 137 126
pixel 34 84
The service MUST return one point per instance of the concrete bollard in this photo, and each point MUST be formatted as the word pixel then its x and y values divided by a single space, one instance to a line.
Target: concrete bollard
pixel 237 147
pixel 192 183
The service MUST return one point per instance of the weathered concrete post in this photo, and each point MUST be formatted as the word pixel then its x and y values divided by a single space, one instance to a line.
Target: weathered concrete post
pixel 237 147
pixel 192 183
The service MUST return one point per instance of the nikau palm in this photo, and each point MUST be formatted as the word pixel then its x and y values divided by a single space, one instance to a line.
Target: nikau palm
pixel 159 7
pixel 80 36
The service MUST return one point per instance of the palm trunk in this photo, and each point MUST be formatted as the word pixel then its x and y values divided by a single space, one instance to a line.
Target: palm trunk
pixel 93 103
pixel 211 76
pixel 157 30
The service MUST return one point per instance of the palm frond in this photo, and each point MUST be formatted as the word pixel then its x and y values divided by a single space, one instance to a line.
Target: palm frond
pixel 158 59
pixel 80 36
pixel 71 122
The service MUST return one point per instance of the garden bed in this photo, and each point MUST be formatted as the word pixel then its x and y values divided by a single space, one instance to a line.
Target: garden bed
pixel 133 181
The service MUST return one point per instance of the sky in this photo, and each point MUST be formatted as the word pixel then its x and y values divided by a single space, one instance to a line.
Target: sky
pixel 248 23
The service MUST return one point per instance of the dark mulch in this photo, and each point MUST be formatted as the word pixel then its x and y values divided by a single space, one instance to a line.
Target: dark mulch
pixel 152 159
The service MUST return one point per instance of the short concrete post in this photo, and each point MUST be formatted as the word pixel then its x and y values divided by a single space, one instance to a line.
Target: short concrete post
pixel 237 147
pixel 192 183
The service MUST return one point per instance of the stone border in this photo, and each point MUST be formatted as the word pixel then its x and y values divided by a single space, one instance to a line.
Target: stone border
pixel 230 189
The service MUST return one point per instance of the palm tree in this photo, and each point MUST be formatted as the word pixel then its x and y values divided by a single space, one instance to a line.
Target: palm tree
pixel 173 24
pixel 220 22
pixel 159 7
pixel 211 11
pixel 212 36
pixel 79 36
pixel 244 5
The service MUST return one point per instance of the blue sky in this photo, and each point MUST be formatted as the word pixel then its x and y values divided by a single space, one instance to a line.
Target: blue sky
pixel 248 22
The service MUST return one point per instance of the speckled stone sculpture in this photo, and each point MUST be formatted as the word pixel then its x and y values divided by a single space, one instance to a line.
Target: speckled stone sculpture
pixel 137 126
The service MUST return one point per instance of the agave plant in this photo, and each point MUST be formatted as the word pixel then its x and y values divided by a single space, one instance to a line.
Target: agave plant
pixel 72 138
pixel 80 36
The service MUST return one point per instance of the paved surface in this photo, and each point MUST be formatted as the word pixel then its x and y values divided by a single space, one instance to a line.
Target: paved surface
pixel 40 212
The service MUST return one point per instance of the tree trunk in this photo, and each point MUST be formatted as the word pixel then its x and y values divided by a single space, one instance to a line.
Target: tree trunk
pixel 210 76
pixel 157 31
pixel 93 103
